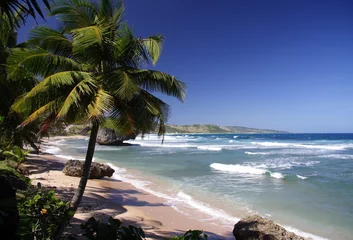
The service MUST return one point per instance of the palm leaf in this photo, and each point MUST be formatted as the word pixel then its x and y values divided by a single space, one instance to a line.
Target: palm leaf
pixel 37 61
pixel 50 40
pixel 101 104
pixel 151 80
pixel 81 90
pixel 39 113
pixel 153 46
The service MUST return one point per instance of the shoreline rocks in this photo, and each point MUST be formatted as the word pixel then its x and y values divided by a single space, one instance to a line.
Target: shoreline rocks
pixel 74 168
pixel 258 228
pixel 107 136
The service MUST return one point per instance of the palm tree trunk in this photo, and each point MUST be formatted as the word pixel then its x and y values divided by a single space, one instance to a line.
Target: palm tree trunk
pixel 76 199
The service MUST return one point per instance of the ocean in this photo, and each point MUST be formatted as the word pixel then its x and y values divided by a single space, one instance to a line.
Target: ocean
pixel 304 182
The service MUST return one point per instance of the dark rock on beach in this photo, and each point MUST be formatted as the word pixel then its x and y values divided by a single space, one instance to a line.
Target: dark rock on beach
pixel 75 168
pixel 258 228
pixel 107 136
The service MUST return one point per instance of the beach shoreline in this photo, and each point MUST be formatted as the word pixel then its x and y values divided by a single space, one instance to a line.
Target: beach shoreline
pixel 145 205
pixel 111 197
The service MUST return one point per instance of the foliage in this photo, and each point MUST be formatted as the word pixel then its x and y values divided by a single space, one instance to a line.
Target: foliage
pixel 17 180
pixel 41 214
pixel 10 90
pixel 192 235
pixel 10 8
pixel 92 68
pixel 113 230
pixel 17 154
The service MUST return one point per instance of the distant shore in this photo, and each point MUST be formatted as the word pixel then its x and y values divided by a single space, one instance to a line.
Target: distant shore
pixel 110 197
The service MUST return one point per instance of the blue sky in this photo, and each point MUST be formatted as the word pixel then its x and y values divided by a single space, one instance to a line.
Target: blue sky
pixel 284 65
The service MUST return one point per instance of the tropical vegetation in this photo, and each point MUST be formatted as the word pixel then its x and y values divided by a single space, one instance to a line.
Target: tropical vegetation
pixel 90 69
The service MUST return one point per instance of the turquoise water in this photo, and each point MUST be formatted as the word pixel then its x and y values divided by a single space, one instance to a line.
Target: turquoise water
pixel 302 181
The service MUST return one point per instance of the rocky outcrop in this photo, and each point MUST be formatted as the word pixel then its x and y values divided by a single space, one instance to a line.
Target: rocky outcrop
pixel 75 168
pixel 107 136
pixel 259 228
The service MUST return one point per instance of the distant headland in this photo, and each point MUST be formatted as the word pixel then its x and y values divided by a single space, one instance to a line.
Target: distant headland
pixel 209 128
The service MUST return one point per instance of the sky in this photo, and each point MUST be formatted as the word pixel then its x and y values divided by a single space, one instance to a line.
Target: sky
pixel 274 64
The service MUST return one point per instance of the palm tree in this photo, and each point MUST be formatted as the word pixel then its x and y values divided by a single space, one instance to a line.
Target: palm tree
pixel 92 68
pixel 12 8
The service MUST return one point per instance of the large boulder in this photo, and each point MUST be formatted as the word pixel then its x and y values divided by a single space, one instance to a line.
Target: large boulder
pixel 258 228
pixel 107 136
pixel 75 168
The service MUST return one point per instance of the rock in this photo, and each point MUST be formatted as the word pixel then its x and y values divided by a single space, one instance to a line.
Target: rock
pixel 75 168
pixel 258 228
pixel 107 136
pixel 85 130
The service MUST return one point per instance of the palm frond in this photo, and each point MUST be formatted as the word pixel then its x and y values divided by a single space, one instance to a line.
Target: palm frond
pixel 101 104
pixel 120 83
pixel 75 13
pixel 39 113
pixel 50 40
pixel 39 62
pixel 151 80
pixel 153 46
pixel 81 90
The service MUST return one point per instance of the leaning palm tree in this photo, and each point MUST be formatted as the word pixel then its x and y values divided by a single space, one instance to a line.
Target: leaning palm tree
pixel 90 69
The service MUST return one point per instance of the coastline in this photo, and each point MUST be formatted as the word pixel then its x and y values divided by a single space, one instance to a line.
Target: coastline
pixel 164 221
pixel 111 197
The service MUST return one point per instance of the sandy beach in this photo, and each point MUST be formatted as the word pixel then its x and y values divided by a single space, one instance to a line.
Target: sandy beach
pixel 110 197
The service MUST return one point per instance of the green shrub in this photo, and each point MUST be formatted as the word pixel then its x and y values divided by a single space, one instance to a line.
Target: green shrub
pixel 17 154
pixel 113 230
pixel 192 235
pixel 41 214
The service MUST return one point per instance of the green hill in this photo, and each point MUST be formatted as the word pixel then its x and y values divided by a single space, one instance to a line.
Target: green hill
pixel 209 128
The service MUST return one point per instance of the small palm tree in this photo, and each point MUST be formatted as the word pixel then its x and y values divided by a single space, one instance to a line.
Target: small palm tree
pixel 17 154
pixel 92 68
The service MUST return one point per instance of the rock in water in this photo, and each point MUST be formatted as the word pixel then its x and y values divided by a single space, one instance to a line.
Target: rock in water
pixel 107 136
pixel 75 168
pixel 258 228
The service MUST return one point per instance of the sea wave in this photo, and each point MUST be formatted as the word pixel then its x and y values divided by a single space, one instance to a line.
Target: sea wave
pixel 237 168
pixel 173 201
pixel 257 153
pixel 209 148
pixel 302 177
pixel 299 145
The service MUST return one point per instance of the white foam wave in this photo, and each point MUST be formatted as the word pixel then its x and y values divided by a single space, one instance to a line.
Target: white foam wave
pixel 237 168
pixel 209 148
pixel 52 150
pixel 181 197
pixel 337 156
pixel 235 137
pixel 303 234
pixel 296 145
pixel 164 145
pixel 301 177
pixel 230 141
pixel 257 153
pixel 203 207
pixel 276 175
